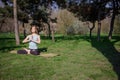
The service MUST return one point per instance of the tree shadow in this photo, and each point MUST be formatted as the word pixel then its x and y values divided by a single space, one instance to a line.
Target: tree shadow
pixel 1 39
pixel 8 44
pixel 107 48
pixel 9 48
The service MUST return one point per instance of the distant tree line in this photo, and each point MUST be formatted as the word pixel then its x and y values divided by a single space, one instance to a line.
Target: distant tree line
pixel 85 10
pixel 92 11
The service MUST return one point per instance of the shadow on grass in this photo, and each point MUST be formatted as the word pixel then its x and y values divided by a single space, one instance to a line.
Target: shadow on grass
pixel 8 44
pixel 42 49
pixel 107 48
pixel 9 48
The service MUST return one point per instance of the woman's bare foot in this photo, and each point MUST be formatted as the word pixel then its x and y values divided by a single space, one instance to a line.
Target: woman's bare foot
pixel 28 51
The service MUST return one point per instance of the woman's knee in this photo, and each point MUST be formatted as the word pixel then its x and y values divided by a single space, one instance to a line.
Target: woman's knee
pixel 21 52
pixel 34 52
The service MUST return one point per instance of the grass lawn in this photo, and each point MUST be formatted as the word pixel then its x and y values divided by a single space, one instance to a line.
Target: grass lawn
pixel 80 59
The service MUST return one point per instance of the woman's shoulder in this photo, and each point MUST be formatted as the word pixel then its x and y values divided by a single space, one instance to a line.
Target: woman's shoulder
pixel 37 34
pixel 29 35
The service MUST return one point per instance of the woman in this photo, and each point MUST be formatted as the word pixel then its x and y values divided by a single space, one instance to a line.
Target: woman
pixel 33 40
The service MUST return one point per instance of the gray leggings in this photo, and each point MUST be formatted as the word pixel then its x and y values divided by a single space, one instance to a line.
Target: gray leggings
pixel 32 51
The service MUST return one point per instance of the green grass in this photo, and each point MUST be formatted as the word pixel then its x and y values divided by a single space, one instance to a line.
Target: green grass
pixel 80 59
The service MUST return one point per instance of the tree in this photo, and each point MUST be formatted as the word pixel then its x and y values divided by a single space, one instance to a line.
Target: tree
pixel 8 13
pixel 5 12
pixel 31 9
pixel 23 17
pixel 16 23
pixel 89 12
pixel 85 10
pixel 37 10
pixel 115 11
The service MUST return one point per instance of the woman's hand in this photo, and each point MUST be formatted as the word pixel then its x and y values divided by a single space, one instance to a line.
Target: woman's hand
pixel 37 41
pixel 27 39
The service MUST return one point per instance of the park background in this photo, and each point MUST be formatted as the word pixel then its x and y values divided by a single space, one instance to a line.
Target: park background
pixel 84 34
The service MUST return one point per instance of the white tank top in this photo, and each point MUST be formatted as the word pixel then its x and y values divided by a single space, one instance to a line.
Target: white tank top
pixel 33 45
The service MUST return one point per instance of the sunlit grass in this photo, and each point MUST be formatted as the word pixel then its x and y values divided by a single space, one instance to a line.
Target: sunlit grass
pixel 80 59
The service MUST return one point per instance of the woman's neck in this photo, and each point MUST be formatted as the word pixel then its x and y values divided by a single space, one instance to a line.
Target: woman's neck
pixel 33 34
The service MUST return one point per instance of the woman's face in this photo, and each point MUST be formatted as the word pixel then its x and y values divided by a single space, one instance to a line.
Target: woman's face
pixel 33 30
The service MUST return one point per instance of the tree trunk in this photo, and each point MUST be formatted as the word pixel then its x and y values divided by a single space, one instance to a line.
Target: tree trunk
pixel 16 23
pixel 49 31
pixel 111 26
pixel 112 21
pixel 99 30
pixel 24 31
pixel 53 25
pixel 90 33
pixel 91 28
pixel 53 38
pixel 99 24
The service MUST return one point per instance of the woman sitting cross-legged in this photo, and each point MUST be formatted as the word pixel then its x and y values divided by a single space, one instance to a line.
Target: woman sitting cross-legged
pixel 33 40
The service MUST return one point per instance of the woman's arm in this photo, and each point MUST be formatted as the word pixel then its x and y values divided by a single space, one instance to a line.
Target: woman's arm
pixel 26 39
